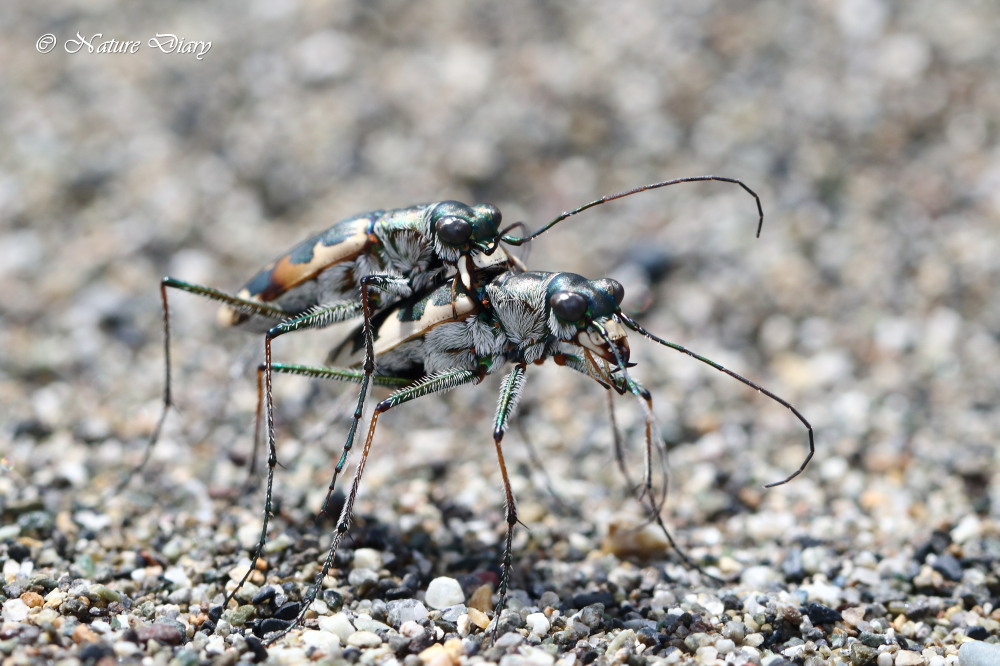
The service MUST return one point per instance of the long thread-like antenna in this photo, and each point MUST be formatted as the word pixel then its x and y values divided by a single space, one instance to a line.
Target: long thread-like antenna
pixel 781 401
pixel 514 240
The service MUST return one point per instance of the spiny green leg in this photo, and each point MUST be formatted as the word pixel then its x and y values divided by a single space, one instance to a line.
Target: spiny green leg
pixel 510 393
pixel 436 383
pixel 336 374
pixel 781 401
pixel 314 372
pixel 241 304
pixel 382 283
pixel 315 318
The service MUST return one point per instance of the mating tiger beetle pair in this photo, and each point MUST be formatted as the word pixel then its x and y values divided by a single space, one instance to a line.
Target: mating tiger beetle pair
pixel 442 304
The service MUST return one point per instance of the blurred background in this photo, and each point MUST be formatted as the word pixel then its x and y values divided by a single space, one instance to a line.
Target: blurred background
pixel 868 128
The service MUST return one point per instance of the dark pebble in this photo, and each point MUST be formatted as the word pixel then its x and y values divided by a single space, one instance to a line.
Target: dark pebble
pixel 419 643
pixel 264 595
pixel 74 607
pixel 792 566
pixel 18 552
pixel 820 614
pixel 589 657
pixel 509 621
pixel 334 600
pixel 351 654
pixel 948 566
pixel 36 523
pixel 161 633
pixel 978 633
pixel 396 593
pixel 214 613
pixel 592 615
pixel 589 599
pixel 399 644
pixel 91 653
pixel 257 648
pixel 271 624
pixel 872 640
pixel 32 428
pixel 289 611
pixel 938 543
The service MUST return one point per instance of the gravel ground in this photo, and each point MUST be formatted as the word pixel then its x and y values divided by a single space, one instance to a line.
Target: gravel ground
pixel 868 128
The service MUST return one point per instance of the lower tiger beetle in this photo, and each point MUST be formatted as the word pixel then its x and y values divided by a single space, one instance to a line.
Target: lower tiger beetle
pixel 519 318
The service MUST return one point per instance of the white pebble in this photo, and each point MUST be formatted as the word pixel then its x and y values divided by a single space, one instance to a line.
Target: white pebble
pixel 15 610
pixel 410 629
pixel 538 624
pixel 706 654
pixel 759 578
pixel 320 640
pixel 216 644
pixel 909 658
pixel 978 653
pixel 364 639
pixel 725 646
pixel 339 625
pixel 177 576
pixel 367 558
pixel 443 592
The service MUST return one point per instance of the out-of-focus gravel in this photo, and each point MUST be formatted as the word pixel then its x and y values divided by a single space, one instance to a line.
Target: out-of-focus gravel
pixel 870 130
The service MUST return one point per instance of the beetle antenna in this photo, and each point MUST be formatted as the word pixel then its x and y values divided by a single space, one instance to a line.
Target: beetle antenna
pixel 781 401
pixel 656 503
pixel 514 240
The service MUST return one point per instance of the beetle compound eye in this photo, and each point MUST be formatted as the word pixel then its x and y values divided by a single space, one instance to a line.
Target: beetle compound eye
pixel 568 305
pixel 453 230
pixel 617 290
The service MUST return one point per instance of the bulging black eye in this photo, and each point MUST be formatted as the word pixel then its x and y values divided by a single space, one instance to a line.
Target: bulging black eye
pixel 453 230
pixel 568 305
pixel 617 290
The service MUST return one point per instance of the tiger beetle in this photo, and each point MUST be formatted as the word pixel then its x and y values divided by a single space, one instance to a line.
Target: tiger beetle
pixel 364 266
pixel 369 261
pixel 440 341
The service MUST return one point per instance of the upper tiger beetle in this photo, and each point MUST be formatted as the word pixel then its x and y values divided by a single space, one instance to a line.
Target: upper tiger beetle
pixel 372 260
pixel 442 304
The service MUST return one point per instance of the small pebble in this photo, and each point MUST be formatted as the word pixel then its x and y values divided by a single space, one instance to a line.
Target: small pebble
pixel 908 658
pixel 479 618
pixel 978 653
pixel 364 639
pixel 538 624
pixel 15 610
pixel 84 634
pixel 323 641
pixel 443 592
pixel 405 610
pixel 367 558
pixel 410 629
pixel 482 598
pixel 338 624
pixel 32 599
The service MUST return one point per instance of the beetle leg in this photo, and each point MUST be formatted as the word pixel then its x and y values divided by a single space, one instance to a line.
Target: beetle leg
pixel 242 304
pixel 264 372
pixel 442 381
pixel 510 393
